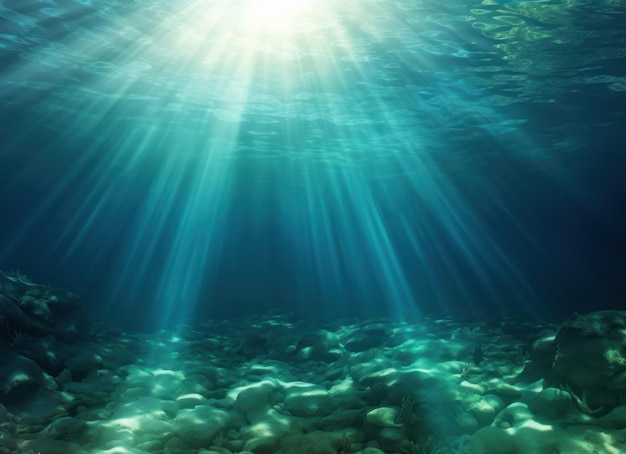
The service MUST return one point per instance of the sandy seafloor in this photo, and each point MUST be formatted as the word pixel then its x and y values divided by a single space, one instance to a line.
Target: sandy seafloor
pixel 278 384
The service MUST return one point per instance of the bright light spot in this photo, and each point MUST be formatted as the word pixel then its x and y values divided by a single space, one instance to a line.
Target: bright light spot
pixel 277 16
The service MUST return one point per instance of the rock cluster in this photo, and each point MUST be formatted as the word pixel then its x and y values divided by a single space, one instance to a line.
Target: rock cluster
pixel 43 331
pixel 591 358
pixel 275 384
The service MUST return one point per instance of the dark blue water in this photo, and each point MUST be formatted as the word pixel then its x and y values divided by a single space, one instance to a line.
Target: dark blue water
pixel 176 159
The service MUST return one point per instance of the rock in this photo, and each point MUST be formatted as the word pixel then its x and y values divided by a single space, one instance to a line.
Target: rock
pixel 321 345
pixel 39 310
pixel 591 358
pixel 7 442
pixel 273 424
pixel 542 351
pixel 494 402
pixel 36 307
pixel 534 437
pixel 616 419
pixel 146 415
pixel 63 303
pixel 376 372
pixel 311 443
pixel 255 400
pixel 552 403
pixel 254 345
pixel 191 400
pixel 591 348
pixel 463 422
pixel 305 399
pixel 66 428
pixel 372 450
pixel 505 392
pixel 512 415
pixel 372 336
pixel 199 426
pixel 383 417
pixel 391 439
pixel 81 359
pixel 525 438
pixel 44 352
pixel 150 445
pixel 47 446
pixel 482 411
pixel 166 383
pixel 472 387
pixel 264 445
pixel 541 357
pixel 19 376
pixel 13 318
pixel 234 445
pixel 170 407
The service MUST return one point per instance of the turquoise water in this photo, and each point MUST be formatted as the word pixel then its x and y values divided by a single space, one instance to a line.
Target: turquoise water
pixel 169 158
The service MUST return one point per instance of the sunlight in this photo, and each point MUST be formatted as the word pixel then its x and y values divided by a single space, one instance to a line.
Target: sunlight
pixel 276 16
pixel 324 99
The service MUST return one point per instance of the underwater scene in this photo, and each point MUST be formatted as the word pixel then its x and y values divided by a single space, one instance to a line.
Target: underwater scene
pixel 312 227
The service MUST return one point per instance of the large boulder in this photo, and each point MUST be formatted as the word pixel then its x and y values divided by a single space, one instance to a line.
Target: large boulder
pixel 590 358
pixel 19 376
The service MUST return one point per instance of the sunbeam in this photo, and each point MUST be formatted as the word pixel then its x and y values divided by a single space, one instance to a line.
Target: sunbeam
pixel 306 226
pixel 294 128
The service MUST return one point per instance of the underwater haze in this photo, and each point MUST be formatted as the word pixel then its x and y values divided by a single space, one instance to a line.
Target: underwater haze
pixel 175 159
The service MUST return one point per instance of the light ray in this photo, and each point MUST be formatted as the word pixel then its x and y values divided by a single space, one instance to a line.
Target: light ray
pixel 339 102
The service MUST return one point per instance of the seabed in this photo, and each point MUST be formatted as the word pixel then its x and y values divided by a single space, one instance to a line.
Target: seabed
pixel 278 384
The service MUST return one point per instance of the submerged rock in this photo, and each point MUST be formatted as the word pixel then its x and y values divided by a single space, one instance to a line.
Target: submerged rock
pixel 19 376
pixel 260 387
pixel 591 359
pixel 383 417
pixel 305 399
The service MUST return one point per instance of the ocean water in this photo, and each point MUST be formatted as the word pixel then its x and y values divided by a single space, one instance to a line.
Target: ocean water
pixel 312 227
pixel 172 160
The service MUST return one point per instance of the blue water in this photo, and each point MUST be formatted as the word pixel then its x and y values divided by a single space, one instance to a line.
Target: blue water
pixel 170 160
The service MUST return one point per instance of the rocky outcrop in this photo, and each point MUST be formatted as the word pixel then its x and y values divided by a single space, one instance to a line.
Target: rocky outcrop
pixel 41 330
pixel 590 359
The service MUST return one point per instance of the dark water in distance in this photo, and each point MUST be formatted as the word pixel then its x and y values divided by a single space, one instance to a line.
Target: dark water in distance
pixel 167 159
